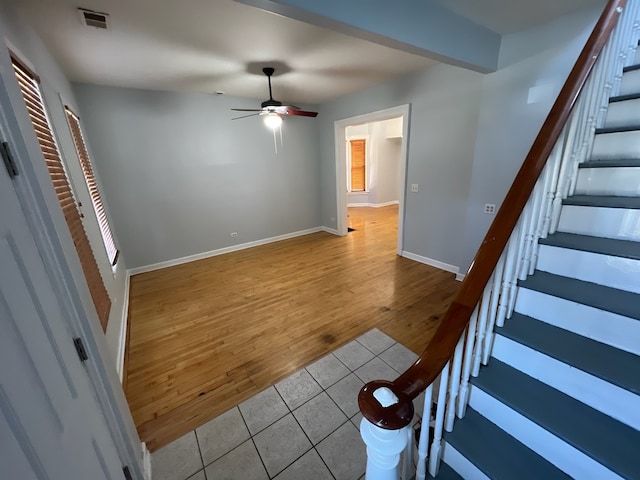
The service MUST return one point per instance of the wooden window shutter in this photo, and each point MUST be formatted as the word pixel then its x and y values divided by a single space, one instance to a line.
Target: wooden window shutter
pixel 28 83
pixel 92 185
pixel 358 165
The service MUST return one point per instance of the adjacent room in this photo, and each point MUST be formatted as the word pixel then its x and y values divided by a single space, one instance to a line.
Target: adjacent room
pixel 251 187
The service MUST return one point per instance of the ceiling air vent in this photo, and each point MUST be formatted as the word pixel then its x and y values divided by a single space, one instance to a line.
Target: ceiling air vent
pixel 91 18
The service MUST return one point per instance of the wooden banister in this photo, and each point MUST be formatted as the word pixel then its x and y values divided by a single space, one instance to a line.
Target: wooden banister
pixel 429 365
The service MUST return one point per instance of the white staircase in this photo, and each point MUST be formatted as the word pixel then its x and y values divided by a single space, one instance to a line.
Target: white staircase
pixel 560 397
pixel 542 372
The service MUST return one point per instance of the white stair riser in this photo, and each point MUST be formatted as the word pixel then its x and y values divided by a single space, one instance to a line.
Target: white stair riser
pixel 555 450
pixel 616 145
pixel 616 272
pixel 621 114
pixel 620 223
pixel 604 327
pixel 460 464
pixel 616 181
pixel 630 83
pixel 610 399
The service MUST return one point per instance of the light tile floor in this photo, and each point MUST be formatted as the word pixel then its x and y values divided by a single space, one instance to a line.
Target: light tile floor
pixel 304 427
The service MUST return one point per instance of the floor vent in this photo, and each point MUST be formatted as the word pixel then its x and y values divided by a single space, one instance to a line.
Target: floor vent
pixel 94 19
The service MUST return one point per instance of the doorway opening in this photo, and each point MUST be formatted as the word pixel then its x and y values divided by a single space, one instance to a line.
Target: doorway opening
pixel 371 165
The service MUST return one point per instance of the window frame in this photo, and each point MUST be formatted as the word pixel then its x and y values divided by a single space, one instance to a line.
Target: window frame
pixel 366 163
pixel 28 83
pixel 84 159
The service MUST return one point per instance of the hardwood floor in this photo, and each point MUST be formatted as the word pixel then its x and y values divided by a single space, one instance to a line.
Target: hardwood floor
pixel 206 335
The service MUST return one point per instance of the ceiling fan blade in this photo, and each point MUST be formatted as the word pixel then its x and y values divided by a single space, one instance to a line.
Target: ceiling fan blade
pixel 302 113
pixel 246 116
pixel 246 109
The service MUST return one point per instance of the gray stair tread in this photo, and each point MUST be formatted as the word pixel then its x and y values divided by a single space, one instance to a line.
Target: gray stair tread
pixel 605 201
pixel 622 98
pixel 630 68
pixel 603 361
pixel 445 472
pixel 626 128
pixel 497 454
pixel 610 163
pixel 586 243
pixel 611 443
pixel 602 297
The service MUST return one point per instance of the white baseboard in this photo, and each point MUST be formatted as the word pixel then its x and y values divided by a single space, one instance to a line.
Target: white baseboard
pixel 146 462
pixel 220 251
pixel 434 263
pixel 373 205
pixel 122 341
pixel 332 231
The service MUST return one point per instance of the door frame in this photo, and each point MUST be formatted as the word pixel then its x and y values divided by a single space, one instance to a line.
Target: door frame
pixel 339 126
pixel 51 235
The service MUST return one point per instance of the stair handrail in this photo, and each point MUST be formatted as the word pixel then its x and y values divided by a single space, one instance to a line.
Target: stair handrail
pixel 441 348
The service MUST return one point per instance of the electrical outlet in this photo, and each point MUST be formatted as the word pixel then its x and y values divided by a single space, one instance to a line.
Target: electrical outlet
pixel 490 208
pixel 415 187
pixel 234 234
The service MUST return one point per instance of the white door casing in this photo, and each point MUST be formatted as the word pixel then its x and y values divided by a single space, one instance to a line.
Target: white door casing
pixel 341 164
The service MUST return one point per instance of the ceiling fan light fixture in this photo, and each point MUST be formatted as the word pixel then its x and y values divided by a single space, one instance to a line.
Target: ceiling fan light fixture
pixel 272 120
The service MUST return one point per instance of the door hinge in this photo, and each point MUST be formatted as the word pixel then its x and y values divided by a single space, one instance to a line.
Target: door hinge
pixel 127 473
pixel 82 352
pixel 12 168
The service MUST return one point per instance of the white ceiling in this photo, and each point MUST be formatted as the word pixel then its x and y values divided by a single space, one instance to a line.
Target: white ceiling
pixel 219 45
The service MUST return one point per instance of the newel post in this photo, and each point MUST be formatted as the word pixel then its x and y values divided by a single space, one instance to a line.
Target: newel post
pixel 387 416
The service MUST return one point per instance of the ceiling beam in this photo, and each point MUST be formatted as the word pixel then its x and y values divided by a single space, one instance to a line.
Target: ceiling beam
pixel 415 26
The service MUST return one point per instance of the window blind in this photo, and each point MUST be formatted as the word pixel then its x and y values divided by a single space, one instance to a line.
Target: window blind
pixel 29 85
pixel 358 165
pixel 92 185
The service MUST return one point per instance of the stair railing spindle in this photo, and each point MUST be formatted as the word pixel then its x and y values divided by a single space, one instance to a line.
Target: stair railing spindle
pixel 436 445
pixel 467 363
pixel 423 442
pixel 503 304
pixel 483 314
pixel 496 279
pixel 454 385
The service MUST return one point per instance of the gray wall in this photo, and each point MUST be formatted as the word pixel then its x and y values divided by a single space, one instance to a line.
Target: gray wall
pixel 516 99
pixel 445 104
pixel 468 134
pixel 180 176
pixel 389 169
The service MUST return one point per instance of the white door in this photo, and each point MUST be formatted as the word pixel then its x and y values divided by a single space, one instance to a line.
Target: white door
pixel 50 425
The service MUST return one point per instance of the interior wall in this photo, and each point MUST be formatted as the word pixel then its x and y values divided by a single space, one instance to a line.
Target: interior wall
pixel 389 170
pixel 468 134
pixel 181 176
pixel 534 65
pixel 57 91
pixel 443 120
